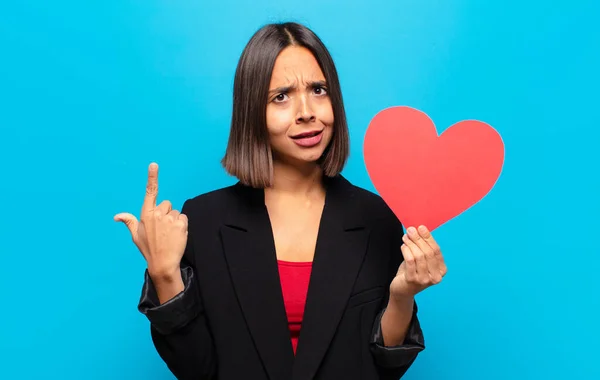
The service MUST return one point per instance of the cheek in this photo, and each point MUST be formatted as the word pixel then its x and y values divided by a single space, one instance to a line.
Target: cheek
pixel 324 113
pixel 327 119
pixel 278 121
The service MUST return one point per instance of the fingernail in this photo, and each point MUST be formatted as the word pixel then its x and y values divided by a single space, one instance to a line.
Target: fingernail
pixel 423 229
pixel 412 230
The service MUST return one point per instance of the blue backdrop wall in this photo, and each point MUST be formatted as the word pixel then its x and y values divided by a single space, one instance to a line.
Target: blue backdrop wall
pixel 91 92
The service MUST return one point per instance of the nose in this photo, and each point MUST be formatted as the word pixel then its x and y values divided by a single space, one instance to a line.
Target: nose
pixel 305 111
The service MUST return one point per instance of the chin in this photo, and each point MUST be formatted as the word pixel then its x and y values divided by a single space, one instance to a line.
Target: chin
pixel 310 155
pixel 313 159
pixel 303 158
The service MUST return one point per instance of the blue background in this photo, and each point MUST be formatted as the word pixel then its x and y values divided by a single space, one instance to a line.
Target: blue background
pixel 91 92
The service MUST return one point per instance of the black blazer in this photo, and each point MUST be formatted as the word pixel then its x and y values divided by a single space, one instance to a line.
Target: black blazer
pixel 230 322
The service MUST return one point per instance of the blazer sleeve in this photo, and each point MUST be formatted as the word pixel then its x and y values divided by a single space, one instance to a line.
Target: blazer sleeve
pixel 178 327
pixel 394 361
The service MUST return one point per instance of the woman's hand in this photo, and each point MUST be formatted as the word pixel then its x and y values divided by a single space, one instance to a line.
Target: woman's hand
pixel 161 233
pixel 422 267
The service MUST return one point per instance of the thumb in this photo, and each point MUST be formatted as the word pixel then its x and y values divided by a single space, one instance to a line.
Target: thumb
pixel 130 221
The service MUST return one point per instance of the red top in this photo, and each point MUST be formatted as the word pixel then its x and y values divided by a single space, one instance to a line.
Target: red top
pixel 295 277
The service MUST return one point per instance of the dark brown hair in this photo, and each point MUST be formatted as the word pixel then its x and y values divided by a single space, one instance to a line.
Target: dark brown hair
pixel 248 155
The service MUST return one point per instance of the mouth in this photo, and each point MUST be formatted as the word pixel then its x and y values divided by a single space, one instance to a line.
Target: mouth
pixel 307 135
pixel 308 139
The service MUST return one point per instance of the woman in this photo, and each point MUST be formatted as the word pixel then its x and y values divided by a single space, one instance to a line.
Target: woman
pixel 293 272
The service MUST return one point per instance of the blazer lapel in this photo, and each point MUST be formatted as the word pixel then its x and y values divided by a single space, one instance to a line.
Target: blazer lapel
pixel 249 249
pixel 341 246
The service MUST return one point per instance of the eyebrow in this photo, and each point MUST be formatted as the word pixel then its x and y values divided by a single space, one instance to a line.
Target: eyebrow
pixel 284 89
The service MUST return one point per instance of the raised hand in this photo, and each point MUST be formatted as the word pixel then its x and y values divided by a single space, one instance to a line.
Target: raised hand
pixel 161 232
pixel 423 263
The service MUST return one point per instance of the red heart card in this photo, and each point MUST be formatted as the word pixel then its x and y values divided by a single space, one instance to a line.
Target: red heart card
pixel 425 178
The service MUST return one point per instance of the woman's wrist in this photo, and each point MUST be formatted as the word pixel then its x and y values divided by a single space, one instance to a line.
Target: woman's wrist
pixel 167 282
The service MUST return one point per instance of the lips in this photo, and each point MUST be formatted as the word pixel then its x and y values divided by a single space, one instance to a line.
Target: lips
pixel 308 139
pixel 306 135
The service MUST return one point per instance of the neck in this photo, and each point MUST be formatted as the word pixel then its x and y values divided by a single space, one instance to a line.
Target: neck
pixel 306 180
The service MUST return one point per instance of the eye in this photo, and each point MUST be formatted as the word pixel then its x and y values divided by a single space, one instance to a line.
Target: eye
pixel 320 91
pixel 280 98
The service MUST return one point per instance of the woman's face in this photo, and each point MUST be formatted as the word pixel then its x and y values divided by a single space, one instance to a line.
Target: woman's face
pixel 299 112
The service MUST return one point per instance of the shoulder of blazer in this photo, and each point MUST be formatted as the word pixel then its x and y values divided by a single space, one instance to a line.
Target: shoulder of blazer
pixel 370 207
pixel 213 206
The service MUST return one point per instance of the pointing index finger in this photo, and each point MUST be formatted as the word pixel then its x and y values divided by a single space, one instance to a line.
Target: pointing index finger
pixel 151 189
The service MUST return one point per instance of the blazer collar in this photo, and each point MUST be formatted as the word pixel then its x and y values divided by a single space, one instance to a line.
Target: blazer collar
pixel 339 200
pixel 249 249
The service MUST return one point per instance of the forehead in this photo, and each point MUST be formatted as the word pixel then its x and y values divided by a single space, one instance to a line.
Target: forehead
pixel 295 64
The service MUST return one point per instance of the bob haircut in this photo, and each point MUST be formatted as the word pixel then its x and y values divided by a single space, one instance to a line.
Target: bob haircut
pixel 248 155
